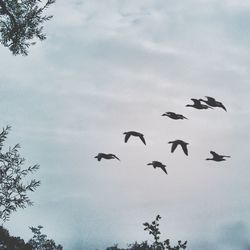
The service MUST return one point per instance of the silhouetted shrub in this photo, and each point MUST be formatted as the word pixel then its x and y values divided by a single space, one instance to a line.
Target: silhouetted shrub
pixel 8 242
pixel 39 241
pixel 153 229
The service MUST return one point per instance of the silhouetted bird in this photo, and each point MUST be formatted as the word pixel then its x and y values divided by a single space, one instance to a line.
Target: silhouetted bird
pixel 213 103
pixel 179 142
pixel 106 156
pixel 157 164
pixel 133 133
pixel 174 116
pixel 197 104
pixel 217 157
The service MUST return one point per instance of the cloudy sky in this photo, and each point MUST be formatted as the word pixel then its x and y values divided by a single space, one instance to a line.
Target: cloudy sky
pixel 112 66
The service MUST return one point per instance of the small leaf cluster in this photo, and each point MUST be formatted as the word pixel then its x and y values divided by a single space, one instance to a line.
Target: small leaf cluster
pixel 153 229
pixel 13 190
pixel 39 241
pixel 21 22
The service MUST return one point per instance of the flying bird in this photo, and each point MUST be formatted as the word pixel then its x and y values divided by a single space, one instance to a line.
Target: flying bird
pixel 197 104
pixel 181 143
pixel 213 103
pixel 106 156
pixel 174 116
pixel 217 157
pixel 133 133
pixel 157 164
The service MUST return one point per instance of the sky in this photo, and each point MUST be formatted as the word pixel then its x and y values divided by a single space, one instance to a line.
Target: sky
pixel 113 66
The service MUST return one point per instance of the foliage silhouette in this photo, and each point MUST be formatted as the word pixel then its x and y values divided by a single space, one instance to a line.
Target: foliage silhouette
pixel 13 191
pixel 152 228
pixel 39 241
pixel 21 22
pixel 8 242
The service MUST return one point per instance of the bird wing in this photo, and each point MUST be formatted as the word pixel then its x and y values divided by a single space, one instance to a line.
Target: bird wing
pixel 142 138
pixel 222 106
pixel 184 147
pixel 214 154
pixel 195 101
pixel 174 145
pixel 210 99
pixel 127 137
pixel 115 157
pixel 157 163
pixel 226 156
pixel 182 117
pixel 164 169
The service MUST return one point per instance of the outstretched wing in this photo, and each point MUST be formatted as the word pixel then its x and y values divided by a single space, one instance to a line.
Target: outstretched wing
pixel 164 169
pixel 182 117
pixel 171 114
pixel 142 138
pixel 184 147
pixel 210 99
pixel 195 101
pixel 157 163
pixel 115 157
pixel 222 106
pixel 127 137
pixel 174 145
pixel 214 154
pixel 226 156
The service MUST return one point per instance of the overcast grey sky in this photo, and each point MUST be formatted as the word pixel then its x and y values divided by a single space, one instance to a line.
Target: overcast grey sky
pixel 112 66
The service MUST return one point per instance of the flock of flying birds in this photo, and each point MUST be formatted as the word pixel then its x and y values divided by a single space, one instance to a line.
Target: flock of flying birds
pixel 209 103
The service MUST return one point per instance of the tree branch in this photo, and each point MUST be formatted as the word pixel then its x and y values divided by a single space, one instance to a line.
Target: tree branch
pixel 7 12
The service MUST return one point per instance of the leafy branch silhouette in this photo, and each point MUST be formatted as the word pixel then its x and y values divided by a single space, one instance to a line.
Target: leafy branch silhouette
pixel 153 228
pixel 20 23
pixel 13 190
pixel 40 241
